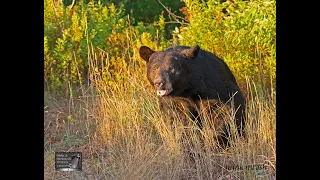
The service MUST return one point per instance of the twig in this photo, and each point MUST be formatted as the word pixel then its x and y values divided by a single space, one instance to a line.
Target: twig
pixel 175 17
pixel 54 6
pixel 204 3
pixel 73 1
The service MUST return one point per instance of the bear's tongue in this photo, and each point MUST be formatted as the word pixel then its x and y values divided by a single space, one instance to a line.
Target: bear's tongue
pixel 162 92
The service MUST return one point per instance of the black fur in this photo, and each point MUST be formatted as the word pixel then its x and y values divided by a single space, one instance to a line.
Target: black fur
pixel 191 74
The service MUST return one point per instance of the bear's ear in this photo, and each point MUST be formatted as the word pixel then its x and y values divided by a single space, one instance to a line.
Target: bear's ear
pixel 192 52
pixel 145 53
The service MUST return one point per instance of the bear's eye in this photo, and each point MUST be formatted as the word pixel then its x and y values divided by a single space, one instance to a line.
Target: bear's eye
pixel 171 69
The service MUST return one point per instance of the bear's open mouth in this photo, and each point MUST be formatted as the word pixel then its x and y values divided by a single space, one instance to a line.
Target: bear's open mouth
pixel 164 92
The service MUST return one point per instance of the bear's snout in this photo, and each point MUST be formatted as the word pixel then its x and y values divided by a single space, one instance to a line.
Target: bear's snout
pixel 159 84
pixel 163 88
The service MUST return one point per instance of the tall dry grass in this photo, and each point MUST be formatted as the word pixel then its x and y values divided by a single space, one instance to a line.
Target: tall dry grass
pixel 123 136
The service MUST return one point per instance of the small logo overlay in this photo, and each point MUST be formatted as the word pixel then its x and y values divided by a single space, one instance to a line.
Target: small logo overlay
pixel 68 161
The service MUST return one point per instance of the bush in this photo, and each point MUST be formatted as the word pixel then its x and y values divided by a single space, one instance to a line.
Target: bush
pixel 244 36
pixel 240 32
pixel 72 36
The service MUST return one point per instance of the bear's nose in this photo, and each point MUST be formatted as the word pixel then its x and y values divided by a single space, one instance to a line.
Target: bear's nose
pixel 158 83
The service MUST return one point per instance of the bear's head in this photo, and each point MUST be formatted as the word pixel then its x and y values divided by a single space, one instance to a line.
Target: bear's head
pixel 168 71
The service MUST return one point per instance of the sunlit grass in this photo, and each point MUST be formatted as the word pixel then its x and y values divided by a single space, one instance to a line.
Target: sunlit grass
pixel 126 137
pixel 122 134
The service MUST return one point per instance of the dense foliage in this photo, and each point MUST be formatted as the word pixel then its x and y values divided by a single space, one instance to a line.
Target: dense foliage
pixel 244 36
pixel 241 32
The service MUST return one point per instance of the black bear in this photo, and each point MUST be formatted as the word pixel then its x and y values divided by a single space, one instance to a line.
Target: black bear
pixel 186 78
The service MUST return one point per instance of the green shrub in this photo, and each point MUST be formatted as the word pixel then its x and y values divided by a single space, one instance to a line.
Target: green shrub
pixel 240 32
pixel 244 36
pixel 73 36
